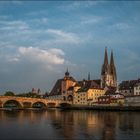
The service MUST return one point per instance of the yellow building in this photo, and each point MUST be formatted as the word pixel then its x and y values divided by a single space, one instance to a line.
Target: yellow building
pixel 80 98
pixel 93 94
pixel 87 93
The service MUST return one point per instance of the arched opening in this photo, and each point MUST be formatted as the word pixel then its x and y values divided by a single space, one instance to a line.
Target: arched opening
pixel 51 105
pixel 70 98
pixel 12 104
pixel 27 104
pixel 39 105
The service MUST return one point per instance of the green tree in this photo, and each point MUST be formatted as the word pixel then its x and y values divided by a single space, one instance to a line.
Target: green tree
pixel 9 93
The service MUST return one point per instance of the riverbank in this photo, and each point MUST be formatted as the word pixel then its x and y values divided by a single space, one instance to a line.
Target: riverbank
pixel 74 107
pixel 14 109
pixel 103 108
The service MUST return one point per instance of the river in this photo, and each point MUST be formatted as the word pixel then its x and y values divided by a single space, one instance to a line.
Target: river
pixel 72 125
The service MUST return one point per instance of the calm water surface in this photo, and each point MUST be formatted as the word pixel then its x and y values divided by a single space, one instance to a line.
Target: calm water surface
pixel 59 124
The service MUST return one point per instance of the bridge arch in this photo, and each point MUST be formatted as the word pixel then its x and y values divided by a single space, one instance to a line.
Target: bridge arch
pixel 12 104
pixel 39 104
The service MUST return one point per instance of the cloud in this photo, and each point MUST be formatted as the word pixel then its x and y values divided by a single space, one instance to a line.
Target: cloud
pixel 121 26
pixel 91 19
pixel 52 56
pixel 17 2
pixel 77 5
pixel 39 21
pixel 13 25
pixel 63 37
pixel 34 32
pixel 33 55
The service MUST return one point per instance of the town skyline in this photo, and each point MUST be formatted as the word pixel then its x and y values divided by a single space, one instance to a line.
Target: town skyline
pixel 40 40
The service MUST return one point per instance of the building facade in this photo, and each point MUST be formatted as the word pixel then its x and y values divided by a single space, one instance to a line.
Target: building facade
pixel 80 98
pixel 93 94
pixel 137 88
pixel 130 87
pixel 132 100
pixel 63 88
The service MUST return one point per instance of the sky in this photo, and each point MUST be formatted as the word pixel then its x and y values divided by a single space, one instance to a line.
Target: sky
pixel 39 40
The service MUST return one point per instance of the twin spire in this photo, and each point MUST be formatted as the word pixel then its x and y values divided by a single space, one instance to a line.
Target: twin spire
pixel 108 68
pixel 108 72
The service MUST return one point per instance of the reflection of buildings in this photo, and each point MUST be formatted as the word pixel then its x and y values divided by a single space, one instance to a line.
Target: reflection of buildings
pixel 74 124
pixel 23 116
pixel 109 127
pixel 85 124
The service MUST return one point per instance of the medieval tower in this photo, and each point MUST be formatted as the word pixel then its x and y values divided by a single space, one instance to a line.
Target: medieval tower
pixel 108 72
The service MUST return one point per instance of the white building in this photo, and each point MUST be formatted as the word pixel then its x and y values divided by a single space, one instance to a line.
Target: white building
pixel 137 89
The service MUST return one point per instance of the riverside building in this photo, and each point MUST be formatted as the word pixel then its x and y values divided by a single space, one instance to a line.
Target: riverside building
pixel 86 92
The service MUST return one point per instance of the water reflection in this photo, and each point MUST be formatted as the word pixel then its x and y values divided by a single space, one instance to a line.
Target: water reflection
pixel 59 124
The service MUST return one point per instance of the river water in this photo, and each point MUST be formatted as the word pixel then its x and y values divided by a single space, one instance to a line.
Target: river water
pixel 72 125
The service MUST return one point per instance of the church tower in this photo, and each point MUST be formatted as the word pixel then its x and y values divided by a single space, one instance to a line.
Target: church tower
pixel 108 72
pixel 105 71
pixel 113 75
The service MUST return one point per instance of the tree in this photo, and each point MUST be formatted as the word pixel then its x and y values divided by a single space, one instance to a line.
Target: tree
pixel 9 93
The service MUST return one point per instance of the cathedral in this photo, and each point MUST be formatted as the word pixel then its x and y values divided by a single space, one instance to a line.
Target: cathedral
pixel 108 72
pixel 65 88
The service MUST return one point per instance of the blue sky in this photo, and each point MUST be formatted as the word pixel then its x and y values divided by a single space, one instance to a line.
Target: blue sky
pixel 39 40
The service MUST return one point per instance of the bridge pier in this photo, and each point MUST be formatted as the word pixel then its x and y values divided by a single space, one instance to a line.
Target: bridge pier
pixel 27 105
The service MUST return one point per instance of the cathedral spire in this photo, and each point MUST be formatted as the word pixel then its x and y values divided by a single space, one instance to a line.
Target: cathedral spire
pixel 105 67
pixel 89 76
pixel 113 69
pixel 112 65
pixel 112 59
pixel 106 57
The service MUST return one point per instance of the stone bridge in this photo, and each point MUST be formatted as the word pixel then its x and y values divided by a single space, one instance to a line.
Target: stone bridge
pixel 25 102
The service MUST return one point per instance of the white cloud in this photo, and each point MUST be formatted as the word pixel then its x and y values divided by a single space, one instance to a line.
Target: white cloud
pixel 52 56
pixel 121 26
pixel 13 25
pixel 42 20
pixel 17 2
pixel 74 5
pixel 91 19
pixel 49 58
pixel 64 37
